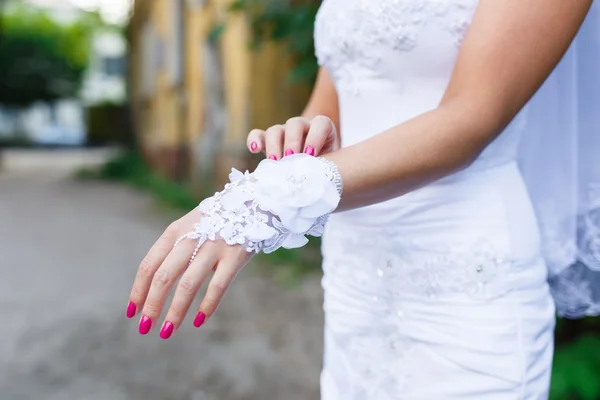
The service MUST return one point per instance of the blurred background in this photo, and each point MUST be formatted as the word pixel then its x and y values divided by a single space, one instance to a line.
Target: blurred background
pixel 117 116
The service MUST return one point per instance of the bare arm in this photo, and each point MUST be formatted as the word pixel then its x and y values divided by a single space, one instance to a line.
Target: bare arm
pixel 510 49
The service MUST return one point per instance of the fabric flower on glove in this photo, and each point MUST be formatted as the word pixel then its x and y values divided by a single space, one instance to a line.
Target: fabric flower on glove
pixel 296 190
pixel 275 206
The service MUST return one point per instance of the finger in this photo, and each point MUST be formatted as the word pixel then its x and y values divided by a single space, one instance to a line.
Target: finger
pixel 274 142
pixel 321 129
pixel 162 282
pixel 188 287
pixel 225 273
pixel 295 129
pixel 256 140
pixel 150 263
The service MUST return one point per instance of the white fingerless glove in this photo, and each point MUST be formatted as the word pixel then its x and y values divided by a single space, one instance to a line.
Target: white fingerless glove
pixel 275 206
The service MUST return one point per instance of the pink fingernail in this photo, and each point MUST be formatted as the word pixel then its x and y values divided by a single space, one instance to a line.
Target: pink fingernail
pixel 166 330
pixel 145 325
pixel 199 320
pixel 253 146
pixel 131 310
pixel 309 150
pixel 273 157
pixel 289 152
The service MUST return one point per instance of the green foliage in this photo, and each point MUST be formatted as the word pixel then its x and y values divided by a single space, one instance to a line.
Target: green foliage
pixel 41 59
pixel 289 267
pixel 289 22
pixel 18 140
pixel 130 167
pixel 215 33
pixel 109 123
pixel 576 372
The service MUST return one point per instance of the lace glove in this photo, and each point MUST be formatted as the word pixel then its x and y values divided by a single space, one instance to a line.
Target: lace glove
pixel 275 206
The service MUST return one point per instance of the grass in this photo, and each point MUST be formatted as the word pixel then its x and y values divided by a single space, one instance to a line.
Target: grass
pixel 129 167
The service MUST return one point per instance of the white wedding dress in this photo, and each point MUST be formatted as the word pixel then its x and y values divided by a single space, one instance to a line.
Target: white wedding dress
pixel 442 293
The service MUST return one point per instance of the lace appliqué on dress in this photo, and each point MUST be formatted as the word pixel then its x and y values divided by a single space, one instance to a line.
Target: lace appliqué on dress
pixel 480 270
pixel 353 33
pixel 390 273
pixel 381 361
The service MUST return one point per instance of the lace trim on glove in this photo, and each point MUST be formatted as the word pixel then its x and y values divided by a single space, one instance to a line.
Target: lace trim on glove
pixel 275 206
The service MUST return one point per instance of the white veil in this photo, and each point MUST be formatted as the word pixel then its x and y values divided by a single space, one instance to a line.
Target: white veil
pixel 560 160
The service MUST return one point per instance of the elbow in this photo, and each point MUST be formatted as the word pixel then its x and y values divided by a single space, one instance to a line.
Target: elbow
pixel 467 161
pixel 478 122
pixel 460 162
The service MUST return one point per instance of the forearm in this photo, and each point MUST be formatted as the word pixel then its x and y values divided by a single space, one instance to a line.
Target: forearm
pixel 413 154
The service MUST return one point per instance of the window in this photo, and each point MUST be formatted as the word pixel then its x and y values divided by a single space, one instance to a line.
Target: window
pixel 114 66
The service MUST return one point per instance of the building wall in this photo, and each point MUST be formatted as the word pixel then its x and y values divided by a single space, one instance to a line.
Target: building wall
pixel 195 128
pixel 154 94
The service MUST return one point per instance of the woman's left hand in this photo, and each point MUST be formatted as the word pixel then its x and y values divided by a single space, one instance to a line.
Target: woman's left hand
pixel 314 136
pixel 164 265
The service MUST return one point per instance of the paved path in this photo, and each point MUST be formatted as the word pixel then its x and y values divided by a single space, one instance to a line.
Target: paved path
pixel 68 254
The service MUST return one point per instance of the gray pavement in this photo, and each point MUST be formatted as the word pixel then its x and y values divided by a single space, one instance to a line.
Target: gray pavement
pixel 68 254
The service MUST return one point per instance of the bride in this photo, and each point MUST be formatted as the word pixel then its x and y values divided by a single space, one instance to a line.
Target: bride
pixel 455 158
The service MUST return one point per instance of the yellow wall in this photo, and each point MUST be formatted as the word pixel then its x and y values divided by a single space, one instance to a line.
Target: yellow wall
pixel 164 106
pixel 236 64
pixel 273 99
pixel 198 27
pixel 256 93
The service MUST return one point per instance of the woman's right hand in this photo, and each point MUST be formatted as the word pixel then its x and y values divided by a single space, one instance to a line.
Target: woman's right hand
pixel 314 136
